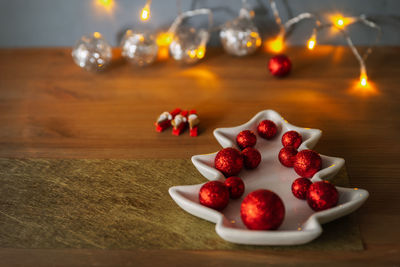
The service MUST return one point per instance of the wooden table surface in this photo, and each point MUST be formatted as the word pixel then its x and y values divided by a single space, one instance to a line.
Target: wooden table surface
pixel 51 108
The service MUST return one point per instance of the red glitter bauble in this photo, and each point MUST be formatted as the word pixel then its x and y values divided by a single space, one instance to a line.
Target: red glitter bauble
pixel 229 161
pixel 287 156
pixel 235 186
pixel 300 187
pixel 307 163
pixel 214 195
pixel 279 65
pixel 291 138
pixel 245 139
pixel 267 129
pixel 262 210
pixel 322 195
pixel 251 157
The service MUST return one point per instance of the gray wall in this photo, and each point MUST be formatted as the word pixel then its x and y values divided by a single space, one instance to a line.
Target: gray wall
pixel 61 22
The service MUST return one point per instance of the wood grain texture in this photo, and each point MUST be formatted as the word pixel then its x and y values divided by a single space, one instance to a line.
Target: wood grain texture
pixel 50 108
pixel 120 204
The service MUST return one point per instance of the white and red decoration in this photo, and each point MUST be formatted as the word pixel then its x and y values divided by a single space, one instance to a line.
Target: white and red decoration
pixel 298 220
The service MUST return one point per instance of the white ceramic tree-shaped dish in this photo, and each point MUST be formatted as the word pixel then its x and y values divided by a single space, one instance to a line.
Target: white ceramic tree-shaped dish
pixel 301 223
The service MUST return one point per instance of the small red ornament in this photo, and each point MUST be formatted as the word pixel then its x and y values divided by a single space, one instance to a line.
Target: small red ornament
pixel 214 195
pixel 279 65
pixel 251 157
pixel 245 139
pixel 287 156
pixel 164 120
pixel 179 123
pixel 291 138
pixel 235 186
pixel 262 210
pixel 300 187
pixel 267 129
pixel 229 161
pixel 307 163
pixel 322 195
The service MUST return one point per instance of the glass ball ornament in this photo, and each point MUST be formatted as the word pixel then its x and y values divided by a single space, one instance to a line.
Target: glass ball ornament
pixel 139 48
pixel 92 52
pixel 240 37
pixel 188 45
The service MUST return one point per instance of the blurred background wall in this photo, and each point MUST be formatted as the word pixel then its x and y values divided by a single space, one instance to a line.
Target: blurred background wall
pixel 61 22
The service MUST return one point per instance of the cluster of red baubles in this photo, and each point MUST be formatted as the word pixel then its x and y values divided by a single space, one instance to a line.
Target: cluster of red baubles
pixel 319 195
pixel 263 209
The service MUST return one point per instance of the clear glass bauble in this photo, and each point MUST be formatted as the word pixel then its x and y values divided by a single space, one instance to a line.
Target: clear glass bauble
pixel 240 37
pixel 188 45
pixel 92 52
pixel 139 48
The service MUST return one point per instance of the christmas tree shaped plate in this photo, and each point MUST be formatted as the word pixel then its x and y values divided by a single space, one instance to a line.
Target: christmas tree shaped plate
pixel 301 224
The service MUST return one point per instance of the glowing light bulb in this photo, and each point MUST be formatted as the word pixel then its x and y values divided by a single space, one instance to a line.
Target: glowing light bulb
pixel 106 4
pixel 164 38
pixel 339 21
pixel 200 52
pixel 276 45
pixel 363 80
pixel 145 15
pixel 311 43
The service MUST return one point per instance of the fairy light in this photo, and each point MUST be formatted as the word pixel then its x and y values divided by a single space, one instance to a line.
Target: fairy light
pixel 164 38
pixel 276 45
pixel 363 79
pixel 107 5
pixel 204 35
pixel 311 42
pixel 201 51
pixel 338 22
pixel 145 14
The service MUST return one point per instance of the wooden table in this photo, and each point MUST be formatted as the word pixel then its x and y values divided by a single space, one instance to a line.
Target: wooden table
pixel 51 108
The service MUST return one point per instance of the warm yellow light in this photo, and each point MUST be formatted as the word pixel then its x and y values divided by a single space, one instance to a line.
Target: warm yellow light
pixel 363 80
pixel 311 43
pixel 276 45
pixel 339 22
pixel 192 53
pixel 164 38
pixel 249 44
pixel 145 15
pixel 258 42
pixel 163 53
pixel 200 52
pixel 106 4
pixel 97 35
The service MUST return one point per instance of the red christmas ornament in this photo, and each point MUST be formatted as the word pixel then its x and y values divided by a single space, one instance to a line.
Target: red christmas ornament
pixel 291 138
pixel 251 157
pixel 300 187
pixel 262 210
pixel 279 65
pixel 229 161
pixel 214 195
pixel 235 186
pixel 307 163
pixel 287 156
pixel 245 139
pixel 322 195
pixel 267 129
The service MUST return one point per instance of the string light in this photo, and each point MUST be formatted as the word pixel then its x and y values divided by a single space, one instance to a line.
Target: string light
pixel 107 5
pixel 311 42
pixel 145 14
pixel 194 48
pixel 337 21
pixel 276 45
pixel 363 79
